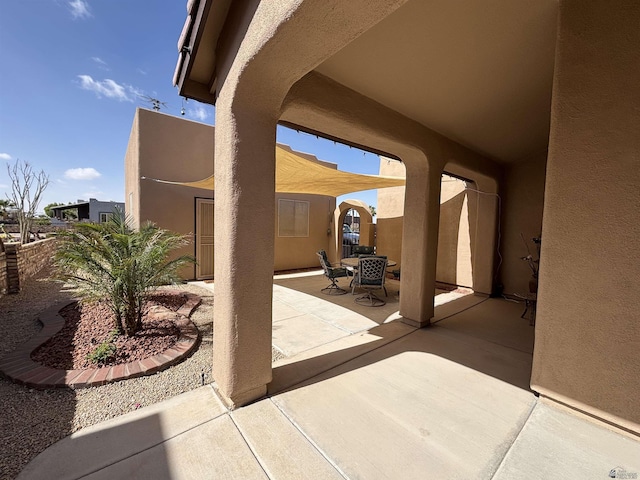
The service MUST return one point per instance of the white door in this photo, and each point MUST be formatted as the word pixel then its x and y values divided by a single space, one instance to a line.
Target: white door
pixel 204 238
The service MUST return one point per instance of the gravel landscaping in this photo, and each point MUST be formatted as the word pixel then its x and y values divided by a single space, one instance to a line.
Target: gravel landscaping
pixel 32 420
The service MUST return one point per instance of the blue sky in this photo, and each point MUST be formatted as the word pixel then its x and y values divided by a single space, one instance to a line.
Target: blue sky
pixel 73 73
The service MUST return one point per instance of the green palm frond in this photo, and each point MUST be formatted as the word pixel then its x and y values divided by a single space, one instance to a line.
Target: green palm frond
pixel 117 264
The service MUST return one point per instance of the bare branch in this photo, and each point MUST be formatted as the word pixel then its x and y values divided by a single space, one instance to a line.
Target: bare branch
pixel 23 180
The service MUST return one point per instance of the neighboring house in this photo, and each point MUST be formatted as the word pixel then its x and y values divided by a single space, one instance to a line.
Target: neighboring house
pixel 536 105
pixel 171 148
pixel 92 211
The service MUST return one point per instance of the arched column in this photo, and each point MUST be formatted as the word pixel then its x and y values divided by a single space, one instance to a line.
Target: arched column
pixel 244 217
pixel 326 106
pixel 420 241
pixel 265 47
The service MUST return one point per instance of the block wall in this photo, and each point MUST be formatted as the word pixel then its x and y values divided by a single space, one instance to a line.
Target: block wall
pixel 18 263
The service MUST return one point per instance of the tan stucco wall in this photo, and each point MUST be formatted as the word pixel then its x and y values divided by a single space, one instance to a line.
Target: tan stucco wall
pixel 162 146
pixel 169 148
pixel 587 350
pixel 132 173
pixel 454 241
pixel 522 201
pixel 454 235
pixel 300 252
pixel 389 212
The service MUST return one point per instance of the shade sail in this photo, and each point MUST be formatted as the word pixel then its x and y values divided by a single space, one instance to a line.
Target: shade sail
pixel 295 174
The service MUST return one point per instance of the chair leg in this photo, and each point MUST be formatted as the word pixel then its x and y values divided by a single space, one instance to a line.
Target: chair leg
pixel 532 317
pixel 530 306
pixel 370 300
pixel 334 288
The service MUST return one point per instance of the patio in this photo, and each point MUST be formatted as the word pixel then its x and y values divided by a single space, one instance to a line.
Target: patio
pixel 318 332
pixel 381 400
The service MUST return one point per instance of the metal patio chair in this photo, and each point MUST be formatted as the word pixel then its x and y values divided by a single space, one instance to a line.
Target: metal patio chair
pixel 332 273
pixel 370 276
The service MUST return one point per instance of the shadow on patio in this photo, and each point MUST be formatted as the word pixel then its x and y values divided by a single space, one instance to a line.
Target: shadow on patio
pixel 321 332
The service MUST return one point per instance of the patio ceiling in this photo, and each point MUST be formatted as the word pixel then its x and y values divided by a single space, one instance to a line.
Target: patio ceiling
pixel 477 72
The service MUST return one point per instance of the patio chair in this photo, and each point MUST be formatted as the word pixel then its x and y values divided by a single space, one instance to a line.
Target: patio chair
pixel 332 273
pixel 370 276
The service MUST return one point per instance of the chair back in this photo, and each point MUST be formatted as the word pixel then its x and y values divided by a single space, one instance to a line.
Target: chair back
pixel 324 261
pixel 358 250
pixel 372 271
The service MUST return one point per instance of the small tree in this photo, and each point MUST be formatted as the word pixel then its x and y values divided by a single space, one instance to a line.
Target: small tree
pixel 48 209
pixel 114 263
pixel 26 189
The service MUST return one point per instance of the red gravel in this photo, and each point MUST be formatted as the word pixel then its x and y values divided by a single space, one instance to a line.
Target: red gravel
pixel 88 325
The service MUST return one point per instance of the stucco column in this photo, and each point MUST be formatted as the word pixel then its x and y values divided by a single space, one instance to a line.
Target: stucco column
pixel 587 350
pixel 420 242
pixel 244 250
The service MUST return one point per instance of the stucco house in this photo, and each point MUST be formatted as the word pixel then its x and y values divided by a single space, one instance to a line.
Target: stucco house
pixel 536 103
pixel 94 210
pixel 171 148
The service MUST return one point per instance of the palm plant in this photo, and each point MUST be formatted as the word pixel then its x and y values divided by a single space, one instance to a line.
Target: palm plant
pixel 114 263
pixel 4 206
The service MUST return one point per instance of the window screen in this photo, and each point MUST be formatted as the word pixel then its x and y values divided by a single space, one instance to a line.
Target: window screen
pixel 293 218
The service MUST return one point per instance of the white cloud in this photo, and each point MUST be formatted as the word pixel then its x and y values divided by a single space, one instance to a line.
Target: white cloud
pixel 141 71
pixel 79 9
pixel 92 194
pixel 5 156
pixel 101 63
pixel 82 174
pixel 199 113
pixel 3 186
pixel 108 88
pixel 135 92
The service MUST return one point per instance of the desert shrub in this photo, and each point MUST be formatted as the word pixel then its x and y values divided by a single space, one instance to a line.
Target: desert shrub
pixel 103 353
pixel 117 264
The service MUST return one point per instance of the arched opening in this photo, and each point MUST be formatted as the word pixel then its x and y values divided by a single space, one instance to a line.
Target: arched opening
pixel 345 215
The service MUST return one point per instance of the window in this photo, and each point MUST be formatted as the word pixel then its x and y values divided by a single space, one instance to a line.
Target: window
pixel 105 216
pixel 293 218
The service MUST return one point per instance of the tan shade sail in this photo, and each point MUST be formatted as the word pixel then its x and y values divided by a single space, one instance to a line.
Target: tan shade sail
pixel 295 174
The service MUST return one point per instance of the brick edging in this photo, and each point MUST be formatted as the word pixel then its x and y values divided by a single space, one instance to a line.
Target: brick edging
pixel 19 367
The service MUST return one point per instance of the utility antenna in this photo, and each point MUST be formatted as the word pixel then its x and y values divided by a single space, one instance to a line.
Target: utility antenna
pixel 155 103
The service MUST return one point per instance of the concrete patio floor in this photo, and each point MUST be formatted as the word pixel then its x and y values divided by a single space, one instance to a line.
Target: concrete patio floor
pixel 372 398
